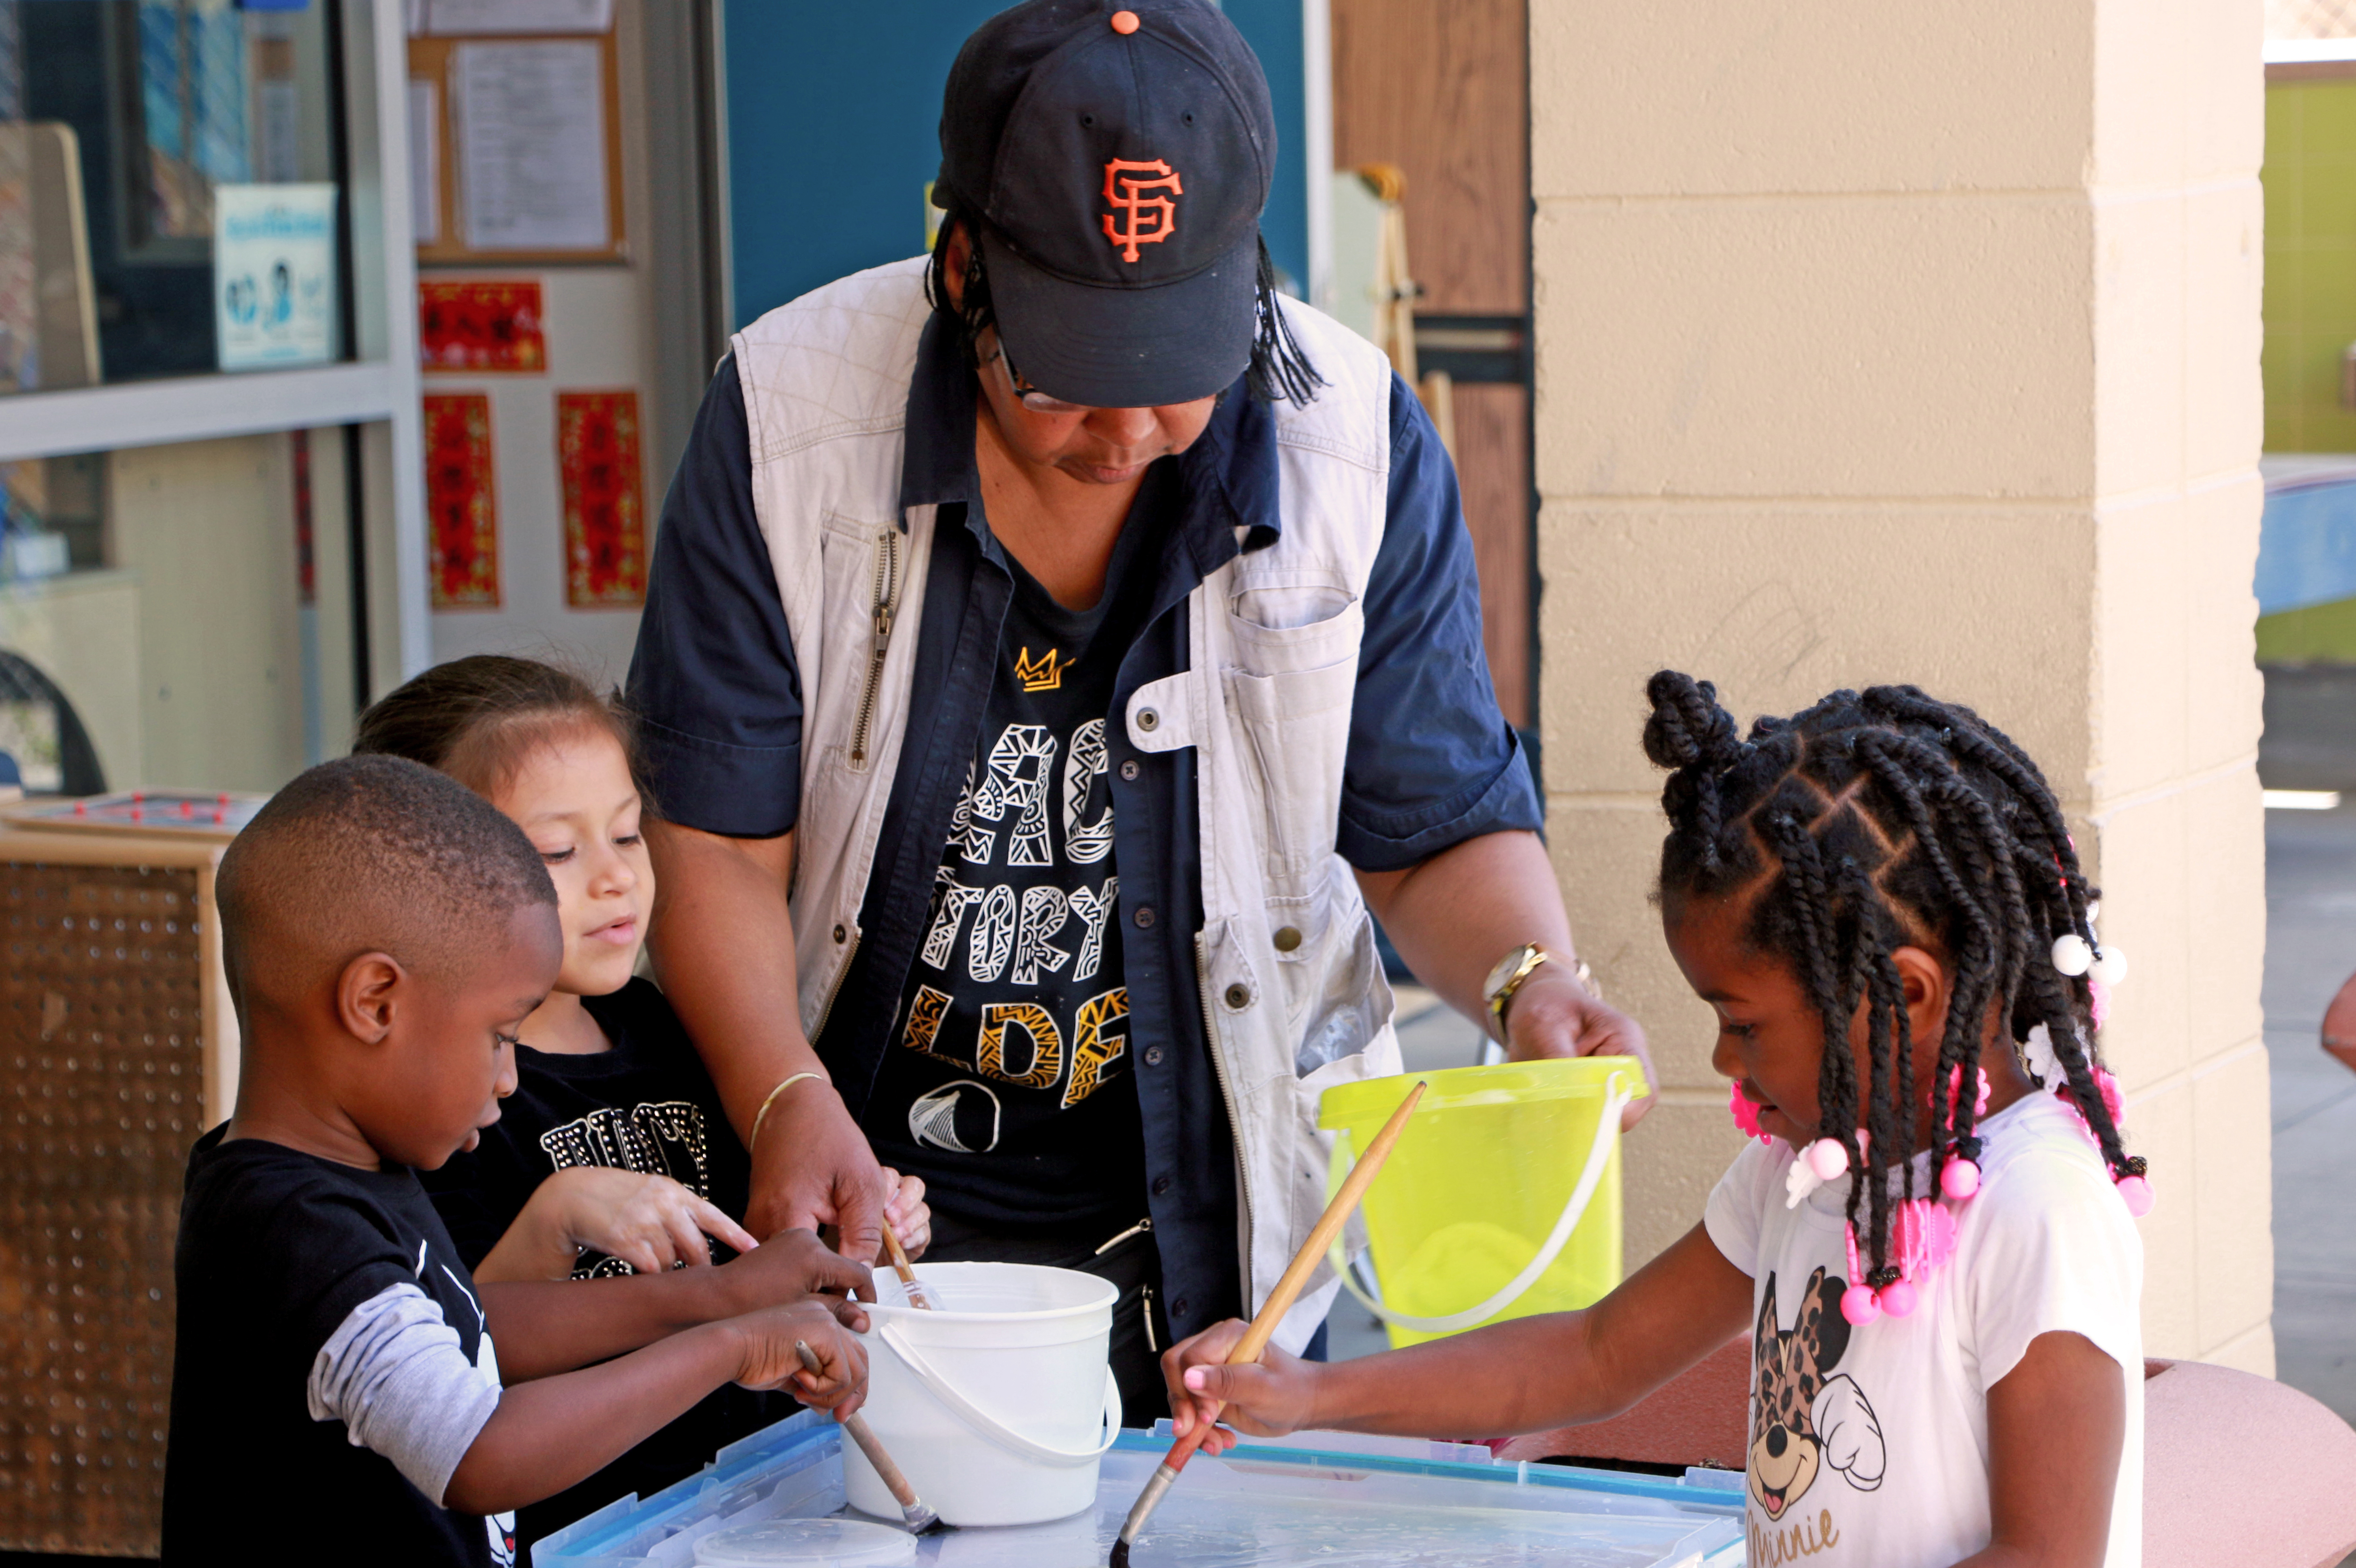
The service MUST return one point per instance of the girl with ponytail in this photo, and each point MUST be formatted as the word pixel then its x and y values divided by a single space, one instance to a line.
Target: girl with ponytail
pixel 1929 1241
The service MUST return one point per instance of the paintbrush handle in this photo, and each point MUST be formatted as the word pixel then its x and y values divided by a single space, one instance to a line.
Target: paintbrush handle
pixel 1279 1302
pixel 902 1492
pixel 917 1295
pixel 856 1425
pixel 1304 1262
pixel 1320 1237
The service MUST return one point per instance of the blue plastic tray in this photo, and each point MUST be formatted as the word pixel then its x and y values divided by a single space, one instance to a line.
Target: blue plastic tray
pixel 1264 1505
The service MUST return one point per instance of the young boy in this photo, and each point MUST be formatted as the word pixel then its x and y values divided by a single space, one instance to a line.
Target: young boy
pixel 335 1390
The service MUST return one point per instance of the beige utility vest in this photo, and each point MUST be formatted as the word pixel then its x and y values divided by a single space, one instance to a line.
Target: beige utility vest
pixel 1291 990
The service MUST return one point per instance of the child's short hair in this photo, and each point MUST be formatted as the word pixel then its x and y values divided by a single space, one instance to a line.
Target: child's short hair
pixel 1867 824
pixel 480 717
pixel 371 854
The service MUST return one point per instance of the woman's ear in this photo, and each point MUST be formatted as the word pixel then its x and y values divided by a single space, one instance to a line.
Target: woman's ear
pixel 959 258
pixel 365 996
pixel 1926 985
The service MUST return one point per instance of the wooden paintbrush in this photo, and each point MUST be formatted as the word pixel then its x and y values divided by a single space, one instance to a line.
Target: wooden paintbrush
pixel 917 1295
pixel 1279 1302
pixel 920 1520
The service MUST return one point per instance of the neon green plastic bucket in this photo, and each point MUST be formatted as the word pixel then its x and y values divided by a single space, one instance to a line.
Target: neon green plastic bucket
pixel 1502 1199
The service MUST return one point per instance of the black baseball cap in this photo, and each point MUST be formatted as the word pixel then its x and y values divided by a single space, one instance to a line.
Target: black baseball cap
pixel 1117 154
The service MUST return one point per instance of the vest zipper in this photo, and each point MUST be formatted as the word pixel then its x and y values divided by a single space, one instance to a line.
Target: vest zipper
pixel 1235 1125
pixel 887 603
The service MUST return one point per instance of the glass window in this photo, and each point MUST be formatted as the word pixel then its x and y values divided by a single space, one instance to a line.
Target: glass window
pixel 170 199
pixel 188 618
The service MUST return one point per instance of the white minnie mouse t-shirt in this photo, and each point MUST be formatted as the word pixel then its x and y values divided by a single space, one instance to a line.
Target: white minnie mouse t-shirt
pixel 1869 1444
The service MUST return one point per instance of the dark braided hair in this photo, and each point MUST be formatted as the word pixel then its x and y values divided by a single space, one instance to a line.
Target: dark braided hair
pixel 1872 822
pixel 1279 371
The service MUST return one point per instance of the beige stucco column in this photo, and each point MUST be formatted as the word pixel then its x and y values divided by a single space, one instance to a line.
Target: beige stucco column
pixel 1915 342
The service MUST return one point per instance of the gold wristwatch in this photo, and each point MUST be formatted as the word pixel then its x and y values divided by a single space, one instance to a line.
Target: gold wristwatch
pixel 1505 979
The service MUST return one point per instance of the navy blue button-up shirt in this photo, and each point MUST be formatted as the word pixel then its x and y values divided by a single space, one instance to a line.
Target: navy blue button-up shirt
pixel 1431 760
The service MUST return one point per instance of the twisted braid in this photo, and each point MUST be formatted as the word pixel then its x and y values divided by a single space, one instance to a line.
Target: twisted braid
pixel 1689 732
pixel 1870 821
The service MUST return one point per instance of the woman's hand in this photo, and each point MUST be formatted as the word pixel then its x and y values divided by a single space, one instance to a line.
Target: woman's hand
pixel 1554 1016
pixel 813 1169
pixel 1268 1398
pixel 650 1222
pixel 906 1212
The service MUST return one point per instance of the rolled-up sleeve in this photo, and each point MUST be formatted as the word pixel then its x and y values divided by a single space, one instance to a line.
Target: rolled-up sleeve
pixel 712 683
pixel 1431 761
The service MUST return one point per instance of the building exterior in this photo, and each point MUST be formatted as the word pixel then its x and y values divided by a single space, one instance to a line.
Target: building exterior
pixel 1868 344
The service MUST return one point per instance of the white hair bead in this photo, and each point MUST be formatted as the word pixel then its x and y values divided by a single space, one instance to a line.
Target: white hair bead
pixel 2109 966
pixel 2072 955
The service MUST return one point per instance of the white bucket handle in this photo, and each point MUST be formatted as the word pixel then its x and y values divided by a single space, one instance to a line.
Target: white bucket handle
pixel 1607 1138
pixel 989 1426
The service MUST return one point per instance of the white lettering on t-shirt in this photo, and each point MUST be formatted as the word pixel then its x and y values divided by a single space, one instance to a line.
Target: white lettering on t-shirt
pixel 973 843
pixel 1093 907
pixel 1043 917
pixel 1012 934
pixel 1020 764
pixel 993 936
pixel 1086 843
pixel 951 899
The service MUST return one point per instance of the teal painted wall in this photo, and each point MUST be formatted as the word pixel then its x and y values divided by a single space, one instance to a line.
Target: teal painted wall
pixel 833 119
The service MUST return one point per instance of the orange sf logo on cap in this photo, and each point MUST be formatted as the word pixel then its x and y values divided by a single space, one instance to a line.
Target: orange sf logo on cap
pixel 1149 216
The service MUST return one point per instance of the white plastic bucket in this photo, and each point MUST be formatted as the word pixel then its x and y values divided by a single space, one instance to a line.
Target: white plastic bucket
pixel 999 1405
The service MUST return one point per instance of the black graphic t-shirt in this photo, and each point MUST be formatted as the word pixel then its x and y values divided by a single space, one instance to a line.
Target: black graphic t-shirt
pixel 276 1248
pixel 646 1105
pixel 1007 1083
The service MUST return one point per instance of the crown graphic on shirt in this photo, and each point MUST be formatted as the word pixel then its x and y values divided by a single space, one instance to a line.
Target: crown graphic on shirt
pixel 1041 674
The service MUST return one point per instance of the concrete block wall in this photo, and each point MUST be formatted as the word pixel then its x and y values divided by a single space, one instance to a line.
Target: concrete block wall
pixel 1903 343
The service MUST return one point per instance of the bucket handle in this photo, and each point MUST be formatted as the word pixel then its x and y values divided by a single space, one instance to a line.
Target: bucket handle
pixel 1607 1138
pixel 989 1426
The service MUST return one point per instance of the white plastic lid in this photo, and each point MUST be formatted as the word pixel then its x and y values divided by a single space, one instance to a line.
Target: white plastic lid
pixel 813 1543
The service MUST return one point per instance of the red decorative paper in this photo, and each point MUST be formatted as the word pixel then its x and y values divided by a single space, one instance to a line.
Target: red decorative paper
pixel 605 512
pixel 474 326
pixel 462 515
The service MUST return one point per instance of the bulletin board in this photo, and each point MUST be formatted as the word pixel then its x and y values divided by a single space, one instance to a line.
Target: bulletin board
pixel 438 113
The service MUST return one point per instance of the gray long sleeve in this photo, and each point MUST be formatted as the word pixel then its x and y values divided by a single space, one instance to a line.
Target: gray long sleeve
pixel 394 1374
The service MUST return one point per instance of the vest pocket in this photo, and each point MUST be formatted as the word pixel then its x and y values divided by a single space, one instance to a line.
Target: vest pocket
pixel 1340 998
pixel 1296 726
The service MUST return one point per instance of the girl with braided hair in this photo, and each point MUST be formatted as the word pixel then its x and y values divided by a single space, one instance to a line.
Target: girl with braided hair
pixel 1930 1241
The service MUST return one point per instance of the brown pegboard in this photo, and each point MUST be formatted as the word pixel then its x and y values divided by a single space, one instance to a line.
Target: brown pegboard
pixel 103 1032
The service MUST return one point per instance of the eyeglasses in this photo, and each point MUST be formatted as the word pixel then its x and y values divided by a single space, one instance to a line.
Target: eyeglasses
pixel 1029 397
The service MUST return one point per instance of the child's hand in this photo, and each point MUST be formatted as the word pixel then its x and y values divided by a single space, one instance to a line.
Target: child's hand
pixel 650 1222
pixel 910 1217
pixel 768 1360
pixel 1267 1400
pixel 790 1266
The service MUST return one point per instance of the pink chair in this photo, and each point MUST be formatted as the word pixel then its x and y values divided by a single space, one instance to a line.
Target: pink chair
pixel 2239 1471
